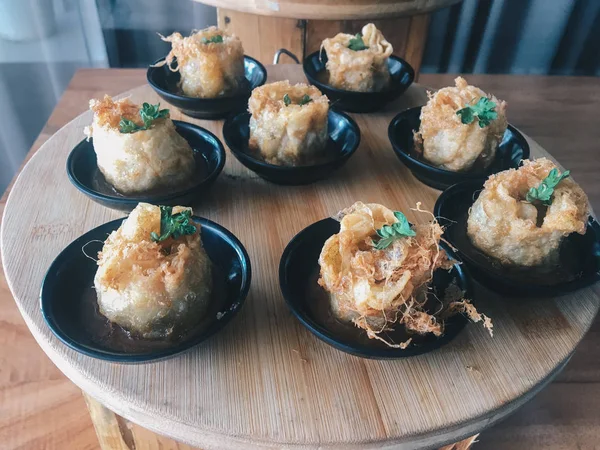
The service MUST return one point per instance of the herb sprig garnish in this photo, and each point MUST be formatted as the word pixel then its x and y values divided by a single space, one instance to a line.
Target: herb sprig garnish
pixel 389 233
pixel 543 193
pixel 484 110
pixel 173 225
pixel 287 101
pixel 357 44
pixel 218 39
pixel 149 113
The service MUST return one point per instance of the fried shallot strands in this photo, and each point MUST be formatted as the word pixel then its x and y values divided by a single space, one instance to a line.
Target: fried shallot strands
pixel 377 289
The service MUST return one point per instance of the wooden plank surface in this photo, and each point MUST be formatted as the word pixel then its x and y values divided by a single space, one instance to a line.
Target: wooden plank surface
pixel 565 415
pixel 332 9
pixel 264 35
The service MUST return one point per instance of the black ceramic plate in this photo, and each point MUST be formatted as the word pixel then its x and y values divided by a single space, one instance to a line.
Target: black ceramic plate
pixel 165 83
pixel 209 155
pixel 402 76
pixel 511 151
pixel 298 274
pixel 69 305
pixel 344 137
pixel 579 255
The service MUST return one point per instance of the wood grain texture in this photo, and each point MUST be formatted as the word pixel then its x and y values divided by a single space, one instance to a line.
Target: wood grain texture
pixel 265 381
pixel 332 9
pixel 263 35
pixel 406 34
pixel 39 407
pixel 565 415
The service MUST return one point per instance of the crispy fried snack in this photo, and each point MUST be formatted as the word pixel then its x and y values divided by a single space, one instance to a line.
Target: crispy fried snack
pixel 152 288
pixel 376 289
pixel 448 143
pixel 291 134
pixel 208 69
pixel 363 70
pixel 157 158
pixel 505 226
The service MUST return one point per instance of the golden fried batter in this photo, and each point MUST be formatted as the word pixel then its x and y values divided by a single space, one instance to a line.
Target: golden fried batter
pixel 288 135
pixel 364 70
pixel 505 226
pixel 374 288
pixel 448 143
pixel 157 158
pixel 151 288
pixel 208 70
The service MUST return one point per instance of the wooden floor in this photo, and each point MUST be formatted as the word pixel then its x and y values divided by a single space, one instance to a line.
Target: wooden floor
pixel 40 408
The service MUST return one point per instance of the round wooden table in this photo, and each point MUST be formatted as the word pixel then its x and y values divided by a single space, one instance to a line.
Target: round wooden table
pixel 265 381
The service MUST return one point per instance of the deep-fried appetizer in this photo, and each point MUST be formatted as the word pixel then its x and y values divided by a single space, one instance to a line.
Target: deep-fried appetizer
pixel 461 128
pixel 360 62
pixel 138 148
pixel 288 125
pixel 210 62
pixel 154 276
pixel 378 268
pixel 522 215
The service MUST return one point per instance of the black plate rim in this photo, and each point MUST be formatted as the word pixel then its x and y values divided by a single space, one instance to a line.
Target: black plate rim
pixel 409 161
pixel 244 157
pixel 392 91
pixel 183 346
pixel 553 290
pixel 130 200
pixel 325 336
pixel 207 101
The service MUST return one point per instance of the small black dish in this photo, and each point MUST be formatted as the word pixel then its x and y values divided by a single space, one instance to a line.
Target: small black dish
pixel 166 84
pixel 402 76
pixel 298 275
pixel 209 154
pixel 579 255
pixel 69 305
pixel 344 138
pixel 511 151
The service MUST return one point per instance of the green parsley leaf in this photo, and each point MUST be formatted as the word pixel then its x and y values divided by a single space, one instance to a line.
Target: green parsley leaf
pixel 149 113
pixel 484 110
pixel 543 193
pixel 356 43
pixel 218 39
pixel 305 99
pixel 389 233
pixel 287 101
pixel 173 225
pixel 127 126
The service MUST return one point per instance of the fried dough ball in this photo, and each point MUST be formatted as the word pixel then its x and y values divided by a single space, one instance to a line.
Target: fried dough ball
pixel 504 225
pixel 152 288
pixel 448 143
pixel 374 288
pixel 207 69
pixel 157 158
pixel 363 70
pixel 292 134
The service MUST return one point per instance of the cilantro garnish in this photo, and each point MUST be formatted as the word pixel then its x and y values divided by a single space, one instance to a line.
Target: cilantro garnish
pixel 218 39
pixel 357 44
pixel 389 233
pixel 543 193
pixel 484 110
pixel 173 225
pixel 149 113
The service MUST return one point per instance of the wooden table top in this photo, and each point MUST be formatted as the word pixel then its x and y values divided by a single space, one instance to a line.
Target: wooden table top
pixel 552 96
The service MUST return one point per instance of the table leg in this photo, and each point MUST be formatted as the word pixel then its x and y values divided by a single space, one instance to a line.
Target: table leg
pixel 116 433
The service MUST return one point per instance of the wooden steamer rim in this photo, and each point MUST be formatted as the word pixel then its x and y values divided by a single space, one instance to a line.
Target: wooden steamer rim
pixel 265 381
pixel 332 9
